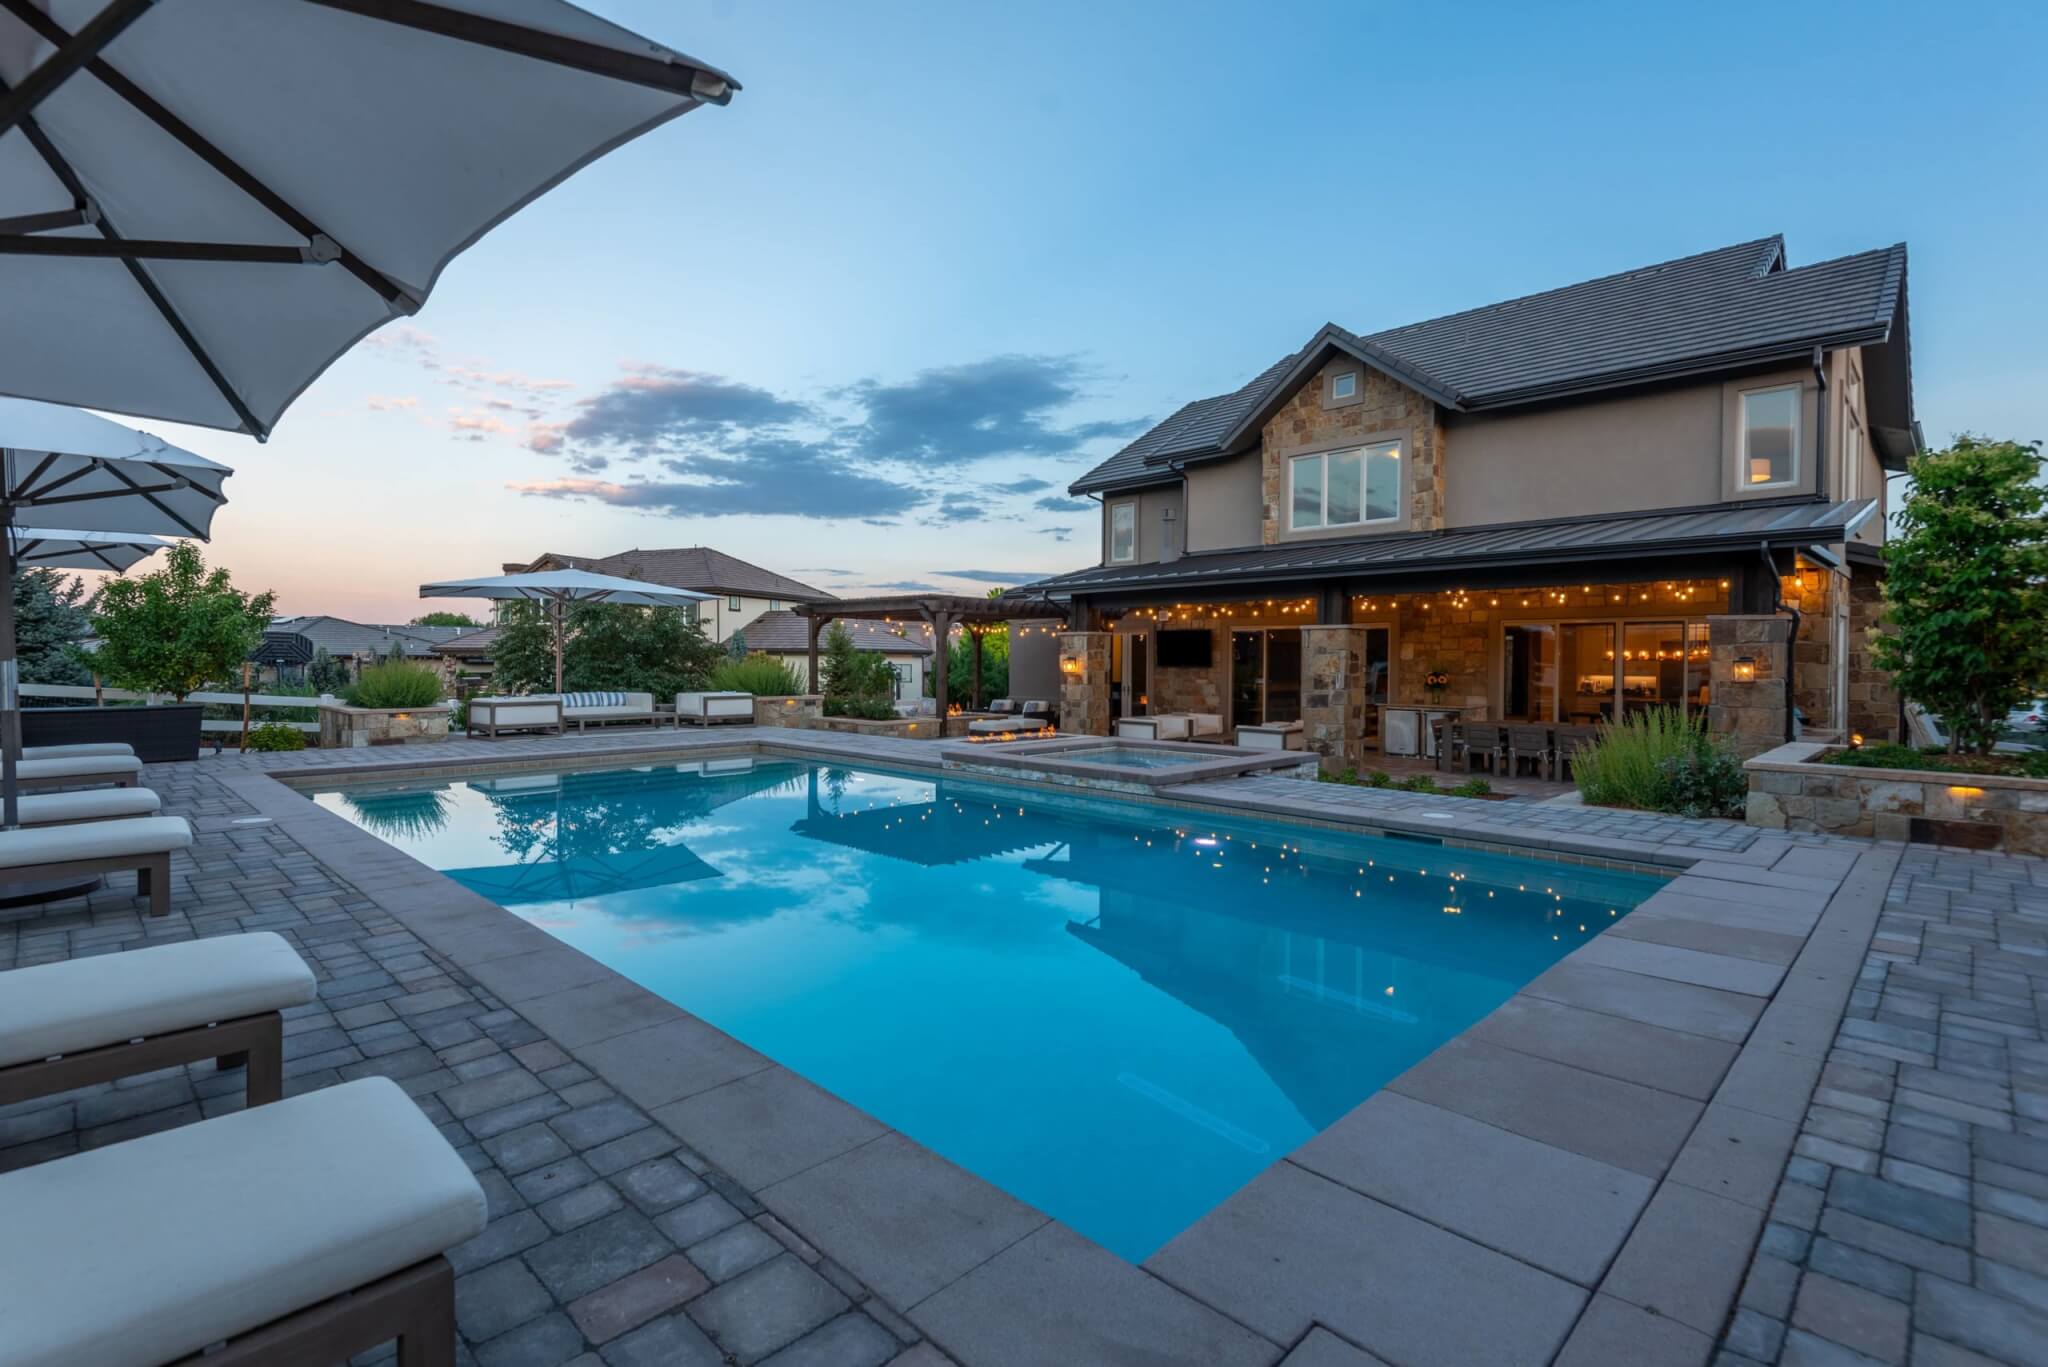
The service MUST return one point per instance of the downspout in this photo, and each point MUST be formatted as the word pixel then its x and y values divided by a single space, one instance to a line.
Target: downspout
pixel 1820 427
pixel 1791 643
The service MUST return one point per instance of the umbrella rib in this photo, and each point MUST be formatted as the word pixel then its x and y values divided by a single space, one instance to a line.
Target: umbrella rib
pixel 49 459
pixel 118 473
pixel 143 280
pixel 678 77
pixel 143 102
pixel 71 54
pixel 156 249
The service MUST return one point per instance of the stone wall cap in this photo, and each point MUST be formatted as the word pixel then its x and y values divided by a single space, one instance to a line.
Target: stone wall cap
pixel 1798 758
pixel 428 710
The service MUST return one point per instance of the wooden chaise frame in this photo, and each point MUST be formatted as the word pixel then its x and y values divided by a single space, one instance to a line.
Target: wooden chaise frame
pixel 255 1041
pixel 416 1306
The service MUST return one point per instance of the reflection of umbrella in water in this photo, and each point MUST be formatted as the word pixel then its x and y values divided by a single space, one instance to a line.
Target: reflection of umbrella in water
pixel 573 877
pixel 413 814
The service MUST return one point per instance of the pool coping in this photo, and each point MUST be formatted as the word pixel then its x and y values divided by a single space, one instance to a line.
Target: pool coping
pixel 1631 1245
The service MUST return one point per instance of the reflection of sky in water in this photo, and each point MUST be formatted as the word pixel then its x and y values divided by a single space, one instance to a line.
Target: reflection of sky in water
pixel 1115 1018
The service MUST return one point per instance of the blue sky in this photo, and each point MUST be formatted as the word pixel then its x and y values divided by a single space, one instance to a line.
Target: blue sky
pixel 864 324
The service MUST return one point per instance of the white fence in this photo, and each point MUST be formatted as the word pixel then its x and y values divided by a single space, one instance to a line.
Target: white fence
pixel 258 702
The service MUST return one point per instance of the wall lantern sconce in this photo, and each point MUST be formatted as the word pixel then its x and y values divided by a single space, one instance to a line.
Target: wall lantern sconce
pixel 1855 740
pixel 1745 670
pixel 1070 664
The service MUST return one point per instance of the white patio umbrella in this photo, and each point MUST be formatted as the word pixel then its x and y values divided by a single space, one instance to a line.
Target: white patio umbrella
pixel 558 588
pixel 202 206
pixel 108 484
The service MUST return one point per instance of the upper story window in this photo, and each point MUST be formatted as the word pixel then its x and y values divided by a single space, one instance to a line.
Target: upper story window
pixel 732 604
pixel 1123 532
pixel 1852 460
pixel 1345 488
pixel 1344 385
pixel 1770 437
pixel 774 605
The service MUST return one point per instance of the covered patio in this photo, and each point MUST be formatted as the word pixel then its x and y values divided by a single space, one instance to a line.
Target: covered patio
pixel 934 615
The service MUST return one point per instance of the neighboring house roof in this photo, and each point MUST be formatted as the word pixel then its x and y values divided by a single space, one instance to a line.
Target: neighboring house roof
pixel 785 633
pixel 1722 526
pixel 1722 309
pixel 470 643
pixel 689 567
pixel 295 639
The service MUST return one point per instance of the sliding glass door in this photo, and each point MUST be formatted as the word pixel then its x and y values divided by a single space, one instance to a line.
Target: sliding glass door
pixel 1652 665
pixel 1265 676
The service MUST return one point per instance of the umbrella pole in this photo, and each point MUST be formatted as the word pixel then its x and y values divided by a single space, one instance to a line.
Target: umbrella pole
pixel 10 682
pixel 558 644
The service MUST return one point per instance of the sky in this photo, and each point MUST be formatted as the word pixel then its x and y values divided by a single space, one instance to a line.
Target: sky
pixel 863 325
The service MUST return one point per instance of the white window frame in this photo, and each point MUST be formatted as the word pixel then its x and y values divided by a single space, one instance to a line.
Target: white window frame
pixel 1364 452
pixel 1344 377
pixel 732 603
pixel 1117 512
pixel 1852 459
pixel 1742 459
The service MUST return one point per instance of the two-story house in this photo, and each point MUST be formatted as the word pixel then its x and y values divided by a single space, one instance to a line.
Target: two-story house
pixel 740 592
pixel 1664 487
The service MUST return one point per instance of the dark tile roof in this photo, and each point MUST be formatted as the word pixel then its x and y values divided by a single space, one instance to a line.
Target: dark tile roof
pixel 785 633
pixel 1718 309
pixel 341 638
pixel 693 567
pixel 1565 540
pixel 469 643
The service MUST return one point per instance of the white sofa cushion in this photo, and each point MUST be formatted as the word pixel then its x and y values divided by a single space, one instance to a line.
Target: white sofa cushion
pixel 94 747
pixel 714 704
pixel 62 1008
pixel 1205 724
pixel 1158 726
pixel 87 804
pixel 1003 705
pixel 509 712
pixel 93 840
pixel 142 1252
pixel 84 768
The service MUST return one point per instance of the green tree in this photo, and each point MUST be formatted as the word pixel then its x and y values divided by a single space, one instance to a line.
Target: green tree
pixel 857 683
pixel 995 667
pixel 179 628
pixel 325 674
pixel 647 650
pixel 50 618
pixel 445 619
pixel 1966 587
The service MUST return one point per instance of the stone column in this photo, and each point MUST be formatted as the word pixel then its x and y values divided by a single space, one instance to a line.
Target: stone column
pixel 1750 711
pixel 1084 683
pixel 1873 700
pixel 1333 694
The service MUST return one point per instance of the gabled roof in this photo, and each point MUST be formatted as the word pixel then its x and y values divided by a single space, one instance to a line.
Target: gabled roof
pixel 1719 310
pixel 689 567
pixel 1562 541
pixel 294 639
pixel 471 642
pixel 785 633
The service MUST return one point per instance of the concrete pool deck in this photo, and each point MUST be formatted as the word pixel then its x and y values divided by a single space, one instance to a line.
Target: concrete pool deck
pixel 1583 1177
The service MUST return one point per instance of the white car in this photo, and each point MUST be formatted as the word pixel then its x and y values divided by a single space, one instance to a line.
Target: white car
pixel 2032 716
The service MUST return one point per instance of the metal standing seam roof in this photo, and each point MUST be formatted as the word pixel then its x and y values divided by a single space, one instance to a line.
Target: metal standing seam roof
pixel 1721 526
pixel 1725 307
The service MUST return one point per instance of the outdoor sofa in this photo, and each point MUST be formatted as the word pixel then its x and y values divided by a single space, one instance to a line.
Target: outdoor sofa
pixel 305 1231
pixel 603 708
pixel 78 771
pixel 703 709
pixel 1171 726
pixel 78 1022
pixel 142 844
pixel 493 715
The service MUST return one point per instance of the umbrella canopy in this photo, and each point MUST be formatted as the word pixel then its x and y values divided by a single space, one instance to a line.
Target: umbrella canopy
pixel 558 588
pixel 217 187
pixel 77 470
pixel 53 548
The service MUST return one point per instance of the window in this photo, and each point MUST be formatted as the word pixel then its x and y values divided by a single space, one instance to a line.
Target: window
pixel 774 605
pixel 1346 488
pixel 1344 385
pixel 1852 461
pixel 1770 437
pixel 1123 532
pixel 732 604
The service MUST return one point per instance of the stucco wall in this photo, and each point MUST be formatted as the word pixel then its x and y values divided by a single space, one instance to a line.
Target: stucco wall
pixel 1034 661
pixel 1150 503
pixel 1223 504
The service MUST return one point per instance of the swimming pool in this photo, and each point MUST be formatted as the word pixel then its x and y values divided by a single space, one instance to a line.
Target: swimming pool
pixel 1117 1013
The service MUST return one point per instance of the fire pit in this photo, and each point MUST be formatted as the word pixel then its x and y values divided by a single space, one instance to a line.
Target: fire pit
pixel 998 730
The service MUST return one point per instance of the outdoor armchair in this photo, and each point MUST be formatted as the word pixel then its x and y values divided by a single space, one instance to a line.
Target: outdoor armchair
pixel 704 709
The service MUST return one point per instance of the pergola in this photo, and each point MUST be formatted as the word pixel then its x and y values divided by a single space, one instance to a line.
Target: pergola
pixel 939 611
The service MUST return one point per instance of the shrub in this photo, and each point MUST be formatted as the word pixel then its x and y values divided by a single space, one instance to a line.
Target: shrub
pixel 1473 787
pixel 858 683
pixel 870 709
pixel 1887 754
pixel 761 675
pixel 1661 761
pixel 394 685
pixel 272 735
pixel 1379 778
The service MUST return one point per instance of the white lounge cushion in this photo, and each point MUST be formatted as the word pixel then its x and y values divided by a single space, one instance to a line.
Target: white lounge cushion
pixel 93 840
pixel 81 767
pixel 1205 724
pixel 79 1004
pixel 142 1252
pixel 93 747
pixel 87 804
pixel 607 713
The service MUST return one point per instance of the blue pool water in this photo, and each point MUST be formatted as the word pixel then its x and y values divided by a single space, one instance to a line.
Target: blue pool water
pixel 1115 1012
pixel 1131 757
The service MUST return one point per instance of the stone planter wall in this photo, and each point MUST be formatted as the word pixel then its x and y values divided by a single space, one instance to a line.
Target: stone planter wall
pixel 909 728
pixel 351 728
pixel 796 710
pixel 1788 791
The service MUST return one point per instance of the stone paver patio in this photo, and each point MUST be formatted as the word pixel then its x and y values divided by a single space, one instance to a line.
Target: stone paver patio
pixel 1583 1178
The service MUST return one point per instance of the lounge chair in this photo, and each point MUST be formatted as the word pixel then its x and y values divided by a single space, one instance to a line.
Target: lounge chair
pixel 1003 705
pixel 87 804
pixel 92 747
pixel 703 709
pixel 78 771
pixel 82 1021
pixel 303 1232
pixel 493 715
pixel 143 844
pixel 1036 707
pixel 1206 726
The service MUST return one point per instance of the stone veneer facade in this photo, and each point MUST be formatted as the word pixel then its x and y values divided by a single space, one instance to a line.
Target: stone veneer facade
pixel 1084 683
pixel 1333 694
pixel 1873 701
pixel 1822 599
pixel 1387 406
pixel 348 728
pixel 1750 714
pixel 795 710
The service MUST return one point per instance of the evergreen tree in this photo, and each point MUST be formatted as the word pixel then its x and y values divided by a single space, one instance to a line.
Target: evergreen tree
pixel 50 618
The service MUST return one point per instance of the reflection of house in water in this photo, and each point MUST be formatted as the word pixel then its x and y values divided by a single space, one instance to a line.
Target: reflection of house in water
pixel 1326 991
pixel 578 835
pixel 949 829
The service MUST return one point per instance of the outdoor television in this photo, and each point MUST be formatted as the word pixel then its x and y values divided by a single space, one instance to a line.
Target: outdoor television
pixel 1184 649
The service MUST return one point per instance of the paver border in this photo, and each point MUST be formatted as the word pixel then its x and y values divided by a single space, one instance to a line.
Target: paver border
pixel 1661 1282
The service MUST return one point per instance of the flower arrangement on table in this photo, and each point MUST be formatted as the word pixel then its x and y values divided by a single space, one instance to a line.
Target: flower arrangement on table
pixel 1436 681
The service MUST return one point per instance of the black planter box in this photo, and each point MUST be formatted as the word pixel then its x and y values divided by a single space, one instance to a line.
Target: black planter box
pixel 158 734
